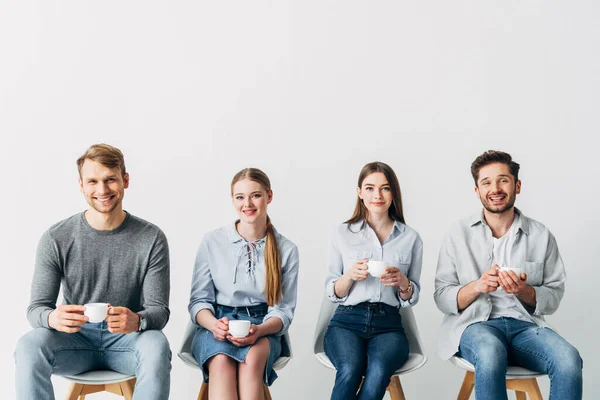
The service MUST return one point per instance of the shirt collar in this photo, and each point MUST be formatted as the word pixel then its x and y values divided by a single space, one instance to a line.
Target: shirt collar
pixel 522 224
pixel 398 226
pixel 234 236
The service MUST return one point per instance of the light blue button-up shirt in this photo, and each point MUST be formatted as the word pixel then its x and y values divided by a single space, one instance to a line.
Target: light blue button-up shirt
pixel 231 271
pixel 403 248
pixel 467 251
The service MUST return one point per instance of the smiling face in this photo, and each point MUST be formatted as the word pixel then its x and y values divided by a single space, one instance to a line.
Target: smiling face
pixel 375 193
pixel 496 188
pixel 250 200
pixel 103 187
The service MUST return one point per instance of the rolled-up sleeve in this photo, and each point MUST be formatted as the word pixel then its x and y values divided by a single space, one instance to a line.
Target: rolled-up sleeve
pixel 203 289
pixel 550 293
pixel 335 269
pixel 447 284
pixel 414 275
pixel 284 310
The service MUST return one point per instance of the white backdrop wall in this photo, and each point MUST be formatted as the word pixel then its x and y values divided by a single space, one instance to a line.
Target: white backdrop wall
pixel 308 91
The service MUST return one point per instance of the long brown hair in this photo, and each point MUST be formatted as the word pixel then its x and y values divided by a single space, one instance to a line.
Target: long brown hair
pixel 272 256
pixel 395 211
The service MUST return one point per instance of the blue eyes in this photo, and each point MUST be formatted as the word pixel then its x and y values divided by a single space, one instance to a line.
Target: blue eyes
pixel 370 188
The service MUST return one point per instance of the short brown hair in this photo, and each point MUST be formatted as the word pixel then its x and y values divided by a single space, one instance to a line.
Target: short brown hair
pixel 105 154
pixel 492 157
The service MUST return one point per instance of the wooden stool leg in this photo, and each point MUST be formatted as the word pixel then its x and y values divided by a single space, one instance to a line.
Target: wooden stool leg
pixel 395 389
pixel 521 395
pixel 526 386
pixel 203 395
pixel 267 393
pixel 534 390
pixel 74 391
pixel 127 388
pixel 467 386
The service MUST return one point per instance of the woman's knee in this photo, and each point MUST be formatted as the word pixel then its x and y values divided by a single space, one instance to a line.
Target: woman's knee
pixel 257 356
pixel 221 364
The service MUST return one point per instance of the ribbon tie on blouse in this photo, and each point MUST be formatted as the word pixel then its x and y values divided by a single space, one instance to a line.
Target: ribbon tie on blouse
pixel 248 251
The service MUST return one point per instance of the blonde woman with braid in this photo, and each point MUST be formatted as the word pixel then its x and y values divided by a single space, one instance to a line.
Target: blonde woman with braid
pixel 245 270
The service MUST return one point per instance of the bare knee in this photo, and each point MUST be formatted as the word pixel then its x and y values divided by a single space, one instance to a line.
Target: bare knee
pixel 221 364
pixel 256 359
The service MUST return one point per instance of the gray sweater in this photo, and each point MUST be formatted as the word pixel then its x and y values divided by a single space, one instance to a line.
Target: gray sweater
pixel 127 266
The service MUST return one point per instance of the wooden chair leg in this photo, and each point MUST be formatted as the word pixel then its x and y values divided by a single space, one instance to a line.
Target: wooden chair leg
pixel 467 386
pixel 127 388
pixel 395 389
pixel 74 391
pixel 521 395
pixel 527 385
pixel 203 395
pixel 267 393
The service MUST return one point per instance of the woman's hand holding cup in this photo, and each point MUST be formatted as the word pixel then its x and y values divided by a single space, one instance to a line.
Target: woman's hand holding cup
pixel 220 329
pixel 394 277
pixel 358 271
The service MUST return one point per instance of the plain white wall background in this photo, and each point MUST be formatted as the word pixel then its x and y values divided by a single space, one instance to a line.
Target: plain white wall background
pixel 309 91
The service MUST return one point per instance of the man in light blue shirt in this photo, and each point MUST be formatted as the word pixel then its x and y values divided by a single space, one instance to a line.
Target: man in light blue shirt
pixel 494 318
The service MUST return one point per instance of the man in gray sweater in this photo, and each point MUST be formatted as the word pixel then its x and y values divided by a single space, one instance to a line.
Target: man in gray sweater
pixel 106 255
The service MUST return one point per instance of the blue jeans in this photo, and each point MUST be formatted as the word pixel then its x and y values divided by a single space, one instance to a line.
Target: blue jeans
pixel 43 352
pixel 365 340
pixel 493 345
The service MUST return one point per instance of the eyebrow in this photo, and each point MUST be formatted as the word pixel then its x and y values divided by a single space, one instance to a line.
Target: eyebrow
pixel 100 179
pixel 370 184
pixel 241 194
pixel 500 175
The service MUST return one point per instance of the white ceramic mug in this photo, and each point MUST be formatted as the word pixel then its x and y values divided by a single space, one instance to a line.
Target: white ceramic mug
pixel 376 268
pixel 239 328
pixel 516 270
pixel 96 312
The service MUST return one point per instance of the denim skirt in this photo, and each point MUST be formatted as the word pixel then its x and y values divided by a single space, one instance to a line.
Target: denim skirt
pixel 206 346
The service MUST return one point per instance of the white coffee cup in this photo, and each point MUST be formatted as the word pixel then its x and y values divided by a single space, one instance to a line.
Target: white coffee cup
pixel 376 268
pixel 239 328
pixel 516 270
pixel 96 312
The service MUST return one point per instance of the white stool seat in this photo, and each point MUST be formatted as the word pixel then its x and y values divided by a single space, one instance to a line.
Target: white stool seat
pixel 103 377
pixel 414 362
pixel 511 373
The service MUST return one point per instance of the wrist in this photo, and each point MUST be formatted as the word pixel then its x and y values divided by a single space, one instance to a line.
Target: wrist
pixel 407 289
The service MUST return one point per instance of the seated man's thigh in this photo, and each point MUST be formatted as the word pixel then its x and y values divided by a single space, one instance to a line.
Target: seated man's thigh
pixel 482 342
pixel 538 349
pixel 67 353
pixel 150 348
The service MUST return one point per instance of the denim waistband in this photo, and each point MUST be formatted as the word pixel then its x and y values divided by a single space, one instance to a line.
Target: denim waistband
pixel 256 309
pixel 376 306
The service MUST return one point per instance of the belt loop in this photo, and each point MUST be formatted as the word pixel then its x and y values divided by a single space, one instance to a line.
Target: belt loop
pixel 248 312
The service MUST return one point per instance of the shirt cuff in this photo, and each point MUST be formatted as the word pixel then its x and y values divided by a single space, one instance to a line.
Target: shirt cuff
pixel 199 307
pixel 414 297
pixel 331 293
pixel 45 320
pixel 284 319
